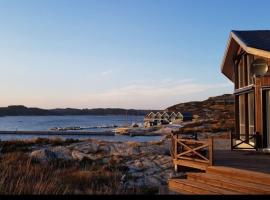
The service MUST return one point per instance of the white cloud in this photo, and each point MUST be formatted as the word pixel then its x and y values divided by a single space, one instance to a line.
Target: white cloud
pixel 106 73
pixel 158 95
pixel 141 95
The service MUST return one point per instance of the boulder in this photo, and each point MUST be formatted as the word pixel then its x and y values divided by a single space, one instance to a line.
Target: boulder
pixel 62 153
pixel 86 147
pixel 51 154
pixel 77 155
pixel 43 155
pixel 123 149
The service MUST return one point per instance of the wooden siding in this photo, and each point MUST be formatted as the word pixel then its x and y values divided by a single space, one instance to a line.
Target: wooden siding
pixel 265 81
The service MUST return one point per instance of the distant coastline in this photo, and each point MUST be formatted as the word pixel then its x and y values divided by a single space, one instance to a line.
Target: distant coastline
pixel 20 110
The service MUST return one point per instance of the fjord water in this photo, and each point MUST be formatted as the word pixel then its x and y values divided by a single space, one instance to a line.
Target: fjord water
pixel 44 123
pixel 88 123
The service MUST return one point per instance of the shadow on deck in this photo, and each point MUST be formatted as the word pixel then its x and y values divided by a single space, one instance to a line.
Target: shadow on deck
pixel 248 160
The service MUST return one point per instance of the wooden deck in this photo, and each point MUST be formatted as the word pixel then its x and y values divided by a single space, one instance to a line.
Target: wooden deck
pixel 247 160
pixel 230 172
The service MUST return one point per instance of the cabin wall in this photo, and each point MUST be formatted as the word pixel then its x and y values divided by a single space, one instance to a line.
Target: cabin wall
pixel 244 74
pixel 248 98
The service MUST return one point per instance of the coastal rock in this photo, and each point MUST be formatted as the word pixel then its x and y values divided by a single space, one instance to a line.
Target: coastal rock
pixel 43 155
pixel 77 155
pixel 154 150
pixel 104 148
pixel 153 181
pixel 51 154
pixel 62 153
pixel 86 147
pixel 163 162
pixel 123 149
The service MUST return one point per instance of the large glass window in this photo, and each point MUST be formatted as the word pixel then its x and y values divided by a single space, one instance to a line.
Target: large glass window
pixel 249 63
pixel 251 112
pixel 241 73
pixel 242 116
pixel 240 80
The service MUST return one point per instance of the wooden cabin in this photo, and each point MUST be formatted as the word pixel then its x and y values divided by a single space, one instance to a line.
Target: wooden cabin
pixel 165 116
pixel 158 116
pixel 172 116
pixel 149 119
pixel 245 63
pixel 223 171
pixel 151 115
pixel 179 116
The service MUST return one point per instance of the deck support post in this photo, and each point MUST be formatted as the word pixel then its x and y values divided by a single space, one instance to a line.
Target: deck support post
pixel 175 167
pixel 210 140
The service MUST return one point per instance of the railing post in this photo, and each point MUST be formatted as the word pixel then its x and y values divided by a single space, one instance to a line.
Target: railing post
pixel 172 145
pixel 231 137
pixel 175 148
pixel 210 141
pixel 258 141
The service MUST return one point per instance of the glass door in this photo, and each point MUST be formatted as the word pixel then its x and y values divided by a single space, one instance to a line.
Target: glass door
pixel 267 120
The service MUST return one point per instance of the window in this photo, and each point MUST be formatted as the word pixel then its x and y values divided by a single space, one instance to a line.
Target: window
pixel 242 116
pixel 251 112
pixel 250 75
pixel 241 73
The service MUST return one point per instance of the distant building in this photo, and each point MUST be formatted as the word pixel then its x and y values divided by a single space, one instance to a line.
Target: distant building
pixel 179 116
pixel 172 116
pixel 187 116
pixel 155 119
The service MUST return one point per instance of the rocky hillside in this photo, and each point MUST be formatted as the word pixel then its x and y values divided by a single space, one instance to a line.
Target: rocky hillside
pixel 213 115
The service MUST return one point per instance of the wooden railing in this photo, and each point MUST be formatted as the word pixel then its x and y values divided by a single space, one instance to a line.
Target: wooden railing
pixel 238 143
pixel 191 152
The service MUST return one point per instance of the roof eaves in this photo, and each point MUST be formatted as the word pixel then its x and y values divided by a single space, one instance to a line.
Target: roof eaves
pixel 250 50
pixel 226 51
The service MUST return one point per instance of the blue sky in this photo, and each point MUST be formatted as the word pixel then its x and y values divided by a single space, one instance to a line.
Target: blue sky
pixel 118 53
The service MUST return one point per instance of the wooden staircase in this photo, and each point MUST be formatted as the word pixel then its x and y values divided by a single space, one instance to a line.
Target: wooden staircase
pixel 223 181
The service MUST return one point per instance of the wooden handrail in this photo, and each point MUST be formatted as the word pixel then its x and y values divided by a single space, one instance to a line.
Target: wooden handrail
pixel 190 150
pixel 235 136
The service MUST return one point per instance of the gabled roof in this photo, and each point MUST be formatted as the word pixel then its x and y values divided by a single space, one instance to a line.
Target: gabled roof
pixel 256 42
pixel 149 114
pixel 158 114
pixel 172 114
pixel 165 113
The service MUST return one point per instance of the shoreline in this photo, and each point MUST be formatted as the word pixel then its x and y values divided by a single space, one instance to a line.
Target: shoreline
pixel 76 133
pixel 86 133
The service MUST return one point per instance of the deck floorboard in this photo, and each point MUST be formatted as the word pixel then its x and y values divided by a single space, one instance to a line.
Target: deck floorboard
pixel 248 160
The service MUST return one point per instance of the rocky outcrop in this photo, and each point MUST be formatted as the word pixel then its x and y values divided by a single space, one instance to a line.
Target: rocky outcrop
pixel 147 163
pixel 51 154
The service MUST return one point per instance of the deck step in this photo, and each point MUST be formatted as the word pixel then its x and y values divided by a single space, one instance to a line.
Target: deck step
pixel 174 189
pixel 232 184
pixel 241 175
pixel 185 185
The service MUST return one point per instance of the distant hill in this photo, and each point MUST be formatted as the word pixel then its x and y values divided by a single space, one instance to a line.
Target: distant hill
pixel 19 110
pixel 215 113
pixel 214 107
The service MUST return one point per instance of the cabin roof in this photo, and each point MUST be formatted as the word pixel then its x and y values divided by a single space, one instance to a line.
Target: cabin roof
pixel 256 39
pixel 256 42
pixel 165 114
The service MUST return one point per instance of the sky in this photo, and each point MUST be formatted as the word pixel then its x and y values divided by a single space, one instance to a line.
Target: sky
pixel 142 54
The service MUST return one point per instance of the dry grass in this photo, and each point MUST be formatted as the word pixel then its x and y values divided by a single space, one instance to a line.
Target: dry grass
pixel 21 175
